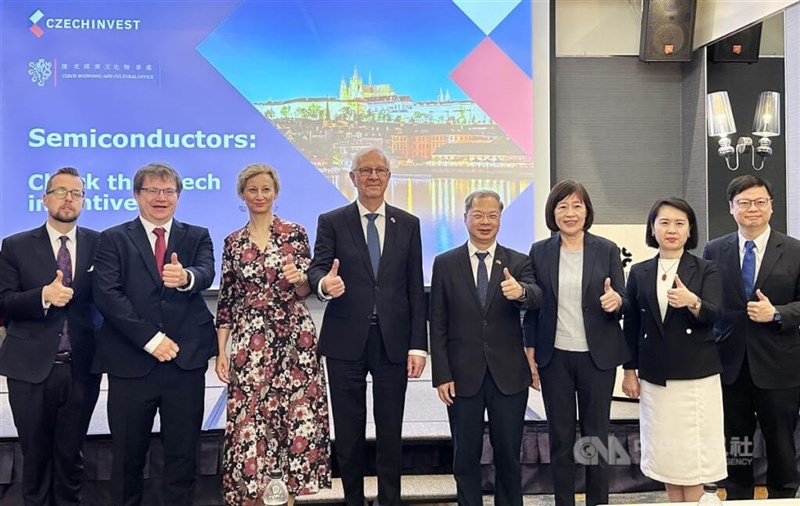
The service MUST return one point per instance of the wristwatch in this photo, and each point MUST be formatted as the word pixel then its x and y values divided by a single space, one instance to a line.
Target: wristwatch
pixel 696 305
pixel 777 317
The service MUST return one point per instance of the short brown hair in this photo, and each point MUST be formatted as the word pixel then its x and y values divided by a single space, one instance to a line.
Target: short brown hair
pixel 158 170
pixel 561 191
pixel 63 171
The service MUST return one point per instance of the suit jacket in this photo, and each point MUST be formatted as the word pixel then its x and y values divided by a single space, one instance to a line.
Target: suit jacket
pixel 398 292
pixel 467 338
pixel 682 346
pixel 135 304
pixel 601 260
pixel 773 349
pixel 27 264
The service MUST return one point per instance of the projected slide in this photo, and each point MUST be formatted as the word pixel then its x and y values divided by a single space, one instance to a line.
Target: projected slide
pixel 444 87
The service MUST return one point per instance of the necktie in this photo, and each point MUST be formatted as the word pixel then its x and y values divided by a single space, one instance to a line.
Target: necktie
pixel 373 243
pixel 64 261
pixel 483 276
pixel 160 250
pixel 749 269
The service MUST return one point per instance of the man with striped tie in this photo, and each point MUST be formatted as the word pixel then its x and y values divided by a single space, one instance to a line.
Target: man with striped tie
pixel 46 297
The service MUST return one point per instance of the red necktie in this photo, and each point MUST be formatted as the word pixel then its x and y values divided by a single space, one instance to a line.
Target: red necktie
pixel 160 249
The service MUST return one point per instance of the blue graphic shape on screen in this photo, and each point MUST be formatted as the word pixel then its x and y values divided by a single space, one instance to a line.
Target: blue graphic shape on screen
pixel 487 15
pixel 514 36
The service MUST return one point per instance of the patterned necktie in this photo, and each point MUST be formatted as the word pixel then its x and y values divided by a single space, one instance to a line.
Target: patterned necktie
pixel 373 243
pixel 160 250
pixel 483 276
pixel 749 269
pixel 64 261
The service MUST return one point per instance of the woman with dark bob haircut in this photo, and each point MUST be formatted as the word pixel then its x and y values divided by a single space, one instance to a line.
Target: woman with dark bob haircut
pixel 574 341
pixel 674 302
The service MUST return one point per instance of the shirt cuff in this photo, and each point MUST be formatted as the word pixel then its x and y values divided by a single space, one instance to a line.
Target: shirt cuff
pixel 153 343
pixel 189 285
pixel 320 293
pixel 45 305
pixel 418 353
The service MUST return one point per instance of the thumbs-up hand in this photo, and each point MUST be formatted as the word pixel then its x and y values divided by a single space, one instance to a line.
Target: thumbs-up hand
pixel 173 274
pixel 762 310
pixel 56 294
pixel 332 284
pixel 291 272
pixel 680 296
pixel 512 290
pixel 610 301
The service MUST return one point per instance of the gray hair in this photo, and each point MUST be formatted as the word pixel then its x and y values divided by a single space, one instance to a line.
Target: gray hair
pixel 364 152
pixel 157 170
pixel 479 194
pixel 253 170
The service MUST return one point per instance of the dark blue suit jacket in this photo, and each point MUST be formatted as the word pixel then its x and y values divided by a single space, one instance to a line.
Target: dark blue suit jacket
pixel 773 349
pixel 27 264
pixel 135 304
pixel 601 260
pixel 397 292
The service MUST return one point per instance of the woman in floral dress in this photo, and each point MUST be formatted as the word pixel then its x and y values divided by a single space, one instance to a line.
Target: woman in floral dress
pixel 277 407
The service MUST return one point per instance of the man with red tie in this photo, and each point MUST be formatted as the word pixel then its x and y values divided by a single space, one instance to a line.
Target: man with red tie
pixel 156 338
pixel 46 300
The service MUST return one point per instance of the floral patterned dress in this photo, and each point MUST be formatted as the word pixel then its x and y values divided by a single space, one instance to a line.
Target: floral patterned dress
pixel 277 406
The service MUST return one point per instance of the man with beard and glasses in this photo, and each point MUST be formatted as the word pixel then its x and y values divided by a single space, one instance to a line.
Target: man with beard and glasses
pixel 46 298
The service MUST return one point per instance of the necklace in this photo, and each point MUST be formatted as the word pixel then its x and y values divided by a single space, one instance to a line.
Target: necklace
pixel 665 271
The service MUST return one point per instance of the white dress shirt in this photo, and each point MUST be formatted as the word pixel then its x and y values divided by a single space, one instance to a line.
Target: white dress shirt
pixel 473 259
pixel 761 247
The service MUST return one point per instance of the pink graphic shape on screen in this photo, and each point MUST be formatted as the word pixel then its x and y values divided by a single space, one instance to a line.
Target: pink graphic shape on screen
pixel 499 87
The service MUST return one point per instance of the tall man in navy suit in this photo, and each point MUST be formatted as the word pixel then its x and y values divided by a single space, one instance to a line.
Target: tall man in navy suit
pixel 758 339
pixel 46 297
pixel 157 336
pixel 368 264
pixel 477 350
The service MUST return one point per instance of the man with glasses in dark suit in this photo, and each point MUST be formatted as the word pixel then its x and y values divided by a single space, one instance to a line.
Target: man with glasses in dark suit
pixel 46 299
pixel 758 339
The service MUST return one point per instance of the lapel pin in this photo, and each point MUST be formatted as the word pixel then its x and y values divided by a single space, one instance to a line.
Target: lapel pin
pixel 498 262
pixel 392 219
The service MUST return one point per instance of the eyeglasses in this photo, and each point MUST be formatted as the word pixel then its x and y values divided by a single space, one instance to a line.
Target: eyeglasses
pixel 154 192
pixel 366 171
pixel 746 203
pixel 61 193
pixel 480 217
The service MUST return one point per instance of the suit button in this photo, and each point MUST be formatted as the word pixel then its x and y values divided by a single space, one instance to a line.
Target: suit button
pixel 688 331
pixel 486 345
pixel 484 323
pixel 161 325
pixel 163 303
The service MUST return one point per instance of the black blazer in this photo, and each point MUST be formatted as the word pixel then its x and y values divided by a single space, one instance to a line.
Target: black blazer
pixel 466 338
pixel 27 264
pixel 135 304
pixel 398 292
pixel 601 260
pixel 682 346
pixel 773 349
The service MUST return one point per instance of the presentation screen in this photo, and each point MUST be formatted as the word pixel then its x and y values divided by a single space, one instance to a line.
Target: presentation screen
pixel 445 88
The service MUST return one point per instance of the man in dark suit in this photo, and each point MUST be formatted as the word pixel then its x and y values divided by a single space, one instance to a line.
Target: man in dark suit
pixel 46 296
pixel 157 336
pixel 758 339
pixel 477 350
pixel 368 264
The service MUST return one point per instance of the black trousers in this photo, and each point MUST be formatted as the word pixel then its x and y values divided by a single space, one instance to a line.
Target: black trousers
pixel 506 419
pixel 570 373
pixel 52 418
pixel 178 396
pixel 776 412
pixel 348 389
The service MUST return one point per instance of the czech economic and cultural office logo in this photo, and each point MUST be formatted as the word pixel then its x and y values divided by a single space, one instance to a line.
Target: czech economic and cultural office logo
pixel 35 18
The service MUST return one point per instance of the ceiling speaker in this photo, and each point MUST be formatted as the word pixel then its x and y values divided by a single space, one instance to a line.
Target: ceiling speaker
pixel 667 30
pixel 742 46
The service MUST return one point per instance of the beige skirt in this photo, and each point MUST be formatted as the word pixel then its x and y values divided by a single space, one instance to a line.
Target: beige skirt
pixel 682 433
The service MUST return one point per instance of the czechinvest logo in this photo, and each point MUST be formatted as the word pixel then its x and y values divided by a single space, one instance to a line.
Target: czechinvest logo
pixel 35 18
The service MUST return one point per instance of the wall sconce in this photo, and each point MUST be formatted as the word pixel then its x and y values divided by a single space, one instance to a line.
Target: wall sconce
pixel 766 124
